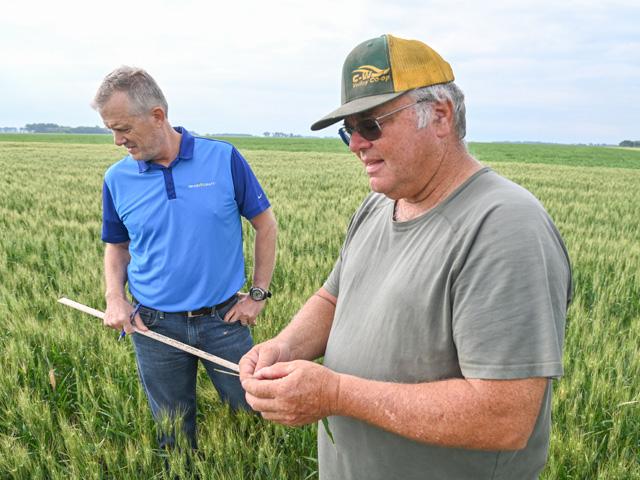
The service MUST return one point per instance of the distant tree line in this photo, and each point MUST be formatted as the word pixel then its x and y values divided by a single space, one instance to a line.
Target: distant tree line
pixel 55 128
pixel 630 143
pixel 280 135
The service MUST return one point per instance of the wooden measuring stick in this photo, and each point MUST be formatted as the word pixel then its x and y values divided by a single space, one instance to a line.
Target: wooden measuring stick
pixel 160 338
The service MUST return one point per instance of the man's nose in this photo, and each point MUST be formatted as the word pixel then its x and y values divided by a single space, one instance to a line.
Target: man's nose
pixel 358 143
pixel 119 139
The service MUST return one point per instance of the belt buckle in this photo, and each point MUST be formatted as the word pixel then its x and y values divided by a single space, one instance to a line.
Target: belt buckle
pixel 192 314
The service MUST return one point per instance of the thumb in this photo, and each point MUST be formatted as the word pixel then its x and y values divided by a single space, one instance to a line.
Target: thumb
pixel 138 324
pixel 267 357
pixel 274 372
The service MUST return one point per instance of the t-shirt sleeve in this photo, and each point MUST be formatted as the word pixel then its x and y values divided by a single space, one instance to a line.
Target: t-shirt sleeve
pixel 510 297
pixel 332 284
pixel 113 229
pixel 249 194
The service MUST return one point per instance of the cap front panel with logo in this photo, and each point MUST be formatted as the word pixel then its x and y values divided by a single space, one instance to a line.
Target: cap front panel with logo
pixel 367 71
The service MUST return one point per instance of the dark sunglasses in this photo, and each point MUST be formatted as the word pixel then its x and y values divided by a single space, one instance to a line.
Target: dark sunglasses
pixel 369 128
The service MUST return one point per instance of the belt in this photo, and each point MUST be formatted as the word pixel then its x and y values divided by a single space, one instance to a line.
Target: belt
pixel 200 311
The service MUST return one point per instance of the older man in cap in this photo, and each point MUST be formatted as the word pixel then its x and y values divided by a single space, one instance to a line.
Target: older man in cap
pixel 441 324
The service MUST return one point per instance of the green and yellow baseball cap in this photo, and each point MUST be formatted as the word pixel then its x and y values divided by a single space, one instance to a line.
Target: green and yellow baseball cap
pixel 383 68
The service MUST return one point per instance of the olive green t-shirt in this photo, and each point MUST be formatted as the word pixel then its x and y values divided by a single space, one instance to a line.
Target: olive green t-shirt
pixel 477 287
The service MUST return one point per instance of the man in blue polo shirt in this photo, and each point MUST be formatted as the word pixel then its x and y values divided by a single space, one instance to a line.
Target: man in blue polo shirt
pixel 172 228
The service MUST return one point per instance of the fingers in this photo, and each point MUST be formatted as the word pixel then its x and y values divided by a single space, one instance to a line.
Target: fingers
pixel 263 355
pixel 273 411
pixel 268 382
pixel 248 363
pixel 260 356
pixel 245 311
pixel 237 315
pixel 114 319
pixel 268 356
pixel 247 321
pixel 240 315
pixel 288 419
pixel 289 393
pixel 117 314
pixel 230 316
pixel 233 315
pixel 279 410
pixel 115 324
pixel 260 389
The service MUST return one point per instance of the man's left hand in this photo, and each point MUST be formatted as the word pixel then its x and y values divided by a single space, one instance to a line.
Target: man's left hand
pixel 293 393
pixel 245 311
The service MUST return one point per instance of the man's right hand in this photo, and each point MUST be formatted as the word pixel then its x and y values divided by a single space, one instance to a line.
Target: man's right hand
pixel 117 316
pixel 263 355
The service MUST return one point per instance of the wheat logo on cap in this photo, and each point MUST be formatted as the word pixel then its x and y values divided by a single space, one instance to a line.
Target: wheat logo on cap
pixel 366 74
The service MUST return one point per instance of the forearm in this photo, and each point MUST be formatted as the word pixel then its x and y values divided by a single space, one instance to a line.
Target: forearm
pixel 474 414
pixel 118 312
pixel 308 332
pixel 116 260
pixel 265 253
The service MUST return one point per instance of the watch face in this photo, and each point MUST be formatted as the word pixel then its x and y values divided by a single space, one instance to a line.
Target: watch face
pixel 257 294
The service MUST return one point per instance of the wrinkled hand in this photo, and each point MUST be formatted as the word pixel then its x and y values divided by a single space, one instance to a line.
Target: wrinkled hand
pixel 117 316
pixel 263 355
pixel 245 310
pixel 293 393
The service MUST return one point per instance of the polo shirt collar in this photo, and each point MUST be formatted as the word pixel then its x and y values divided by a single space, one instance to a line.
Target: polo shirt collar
pixel 185 152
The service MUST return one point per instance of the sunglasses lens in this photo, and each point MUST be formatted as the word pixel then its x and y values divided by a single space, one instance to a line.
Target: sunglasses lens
pixel 345 135
pixel 369 129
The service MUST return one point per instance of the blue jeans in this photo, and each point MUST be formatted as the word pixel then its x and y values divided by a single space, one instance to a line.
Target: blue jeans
pixel 168 375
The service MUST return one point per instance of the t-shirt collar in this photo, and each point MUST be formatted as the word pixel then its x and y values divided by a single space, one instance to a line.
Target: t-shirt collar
pixel 185 152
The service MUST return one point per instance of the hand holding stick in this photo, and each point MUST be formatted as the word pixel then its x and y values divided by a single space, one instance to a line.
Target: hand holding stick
pixel 160 338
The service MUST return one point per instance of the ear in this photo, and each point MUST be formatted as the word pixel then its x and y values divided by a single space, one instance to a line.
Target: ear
pixel 442 118
pixel 158 115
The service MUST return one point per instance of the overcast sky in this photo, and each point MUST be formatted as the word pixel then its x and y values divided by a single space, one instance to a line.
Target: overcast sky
pixel 540 70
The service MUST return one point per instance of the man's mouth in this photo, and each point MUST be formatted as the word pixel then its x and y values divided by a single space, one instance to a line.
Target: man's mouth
pixel 372 166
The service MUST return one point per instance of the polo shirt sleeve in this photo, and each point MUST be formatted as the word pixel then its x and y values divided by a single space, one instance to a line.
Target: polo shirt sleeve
pixel 113 229
pixel 249 194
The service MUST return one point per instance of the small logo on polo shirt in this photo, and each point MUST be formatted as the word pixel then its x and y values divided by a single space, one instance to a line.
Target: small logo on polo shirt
pixel 366 74
pixel 202 185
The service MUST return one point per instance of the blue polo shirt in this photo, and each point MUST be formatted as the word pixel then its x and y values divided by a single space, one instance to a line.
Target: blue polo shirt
pixel 183 223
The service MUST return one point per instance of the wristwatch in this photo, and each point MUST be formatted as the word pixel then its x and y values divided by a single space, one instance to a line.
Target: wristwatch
pixel 258 294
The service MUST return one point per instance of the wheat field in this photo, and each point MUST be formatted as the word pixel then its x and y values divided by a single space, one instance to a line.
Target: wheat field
pixel 70 402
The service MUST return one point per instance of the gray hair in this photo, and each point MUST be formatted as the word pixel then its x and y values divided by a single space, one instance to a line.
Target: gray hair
pixel 142 89
pixel 440 93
